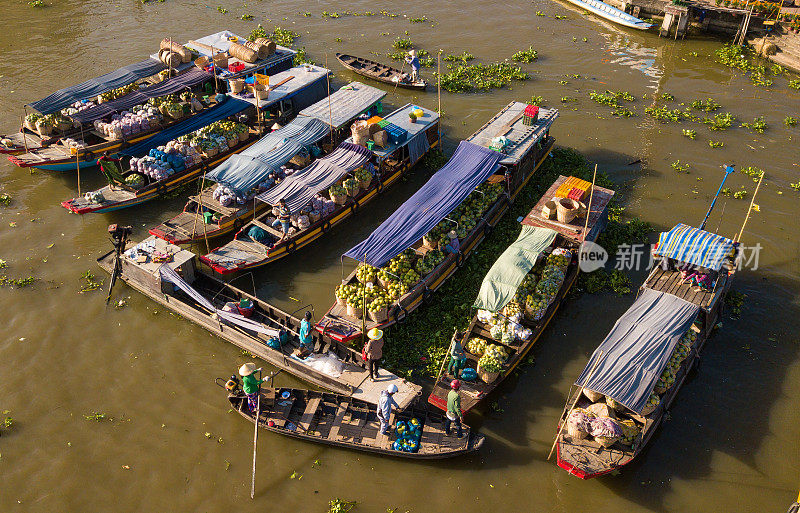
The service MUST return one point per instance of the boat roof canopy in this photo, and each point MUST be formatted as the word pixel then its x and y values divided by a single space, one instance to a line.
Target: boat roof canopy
pixel 400 119
pixel 243 171
pixel 695 246
pixel 509 122
pixel 346 104
pixel 628 363
pixel 172 85
pixel 227 108
pixel 299 188
pixel 469 167
pixel 118 78
pixel 501 282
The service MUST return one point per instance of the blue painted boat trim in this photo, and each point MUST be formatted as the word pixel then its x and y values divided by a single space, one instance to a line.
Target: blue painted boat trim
pixel 610 13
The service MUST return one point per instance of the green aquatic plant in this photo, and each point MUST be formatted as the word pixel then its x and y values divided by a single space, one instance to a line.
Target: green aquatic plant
pixel 257 32
pixel 757 126
pixel 666 97
pixel 707 105
pixel 247 17
pixel 528 55
pixel 36 3
pixel 666 115
pixel 536 100
pixel 282 36
pixel 402 44
pixel 464 57
pixel 790 121
pixel 794 84
pixel 307 14
pixel 5 199
pixel 753 172
pixel 96 416
pixel 741 194
pixel 721 121
pixel 623 112
pixel 301 58
pixel 716 144
pixel 89 282
pixel 222 10
pixel 735 56
pixel 464 77
pixel 421 19
pixel 338 505
pixel 691 134
pixel 681 168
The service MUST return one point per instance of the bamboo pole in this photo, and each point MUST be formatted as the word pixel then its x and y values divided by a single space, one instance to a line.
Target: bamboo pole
pixel 589 210
pixel 578 396
pixel 752 200
pixel 255 439
pixel 200 202
pixel 330 109
pixel 439 94
pixel 199 211
pixel 24 135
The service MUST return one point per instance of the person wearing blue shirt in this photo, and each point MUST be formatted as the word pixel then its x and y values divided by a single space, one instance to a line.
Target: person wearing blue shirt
pixel 385 405
pixel 306 341
pixel 412 60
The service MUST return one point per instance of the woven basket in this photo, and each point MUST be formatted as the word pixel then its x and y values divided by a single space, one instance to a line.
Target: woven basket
pixel 211 152
pixel 237 85
pixel 487 377
pixel 44 129
pixel 429 243
pixel 549 210
pixel 340 301
pixel 220 60
pixel 202 61
pixel 233 141
pixel 30 125
pixel 606 441
pixel 380 316
pixel 313 218
pixel 354 312
pixel 243 53
pixel 271 46
pixel 567 210
pixel 365 183
pixel 647 410
pixel 576 432
pixel 339 199
pixel 384 283
pixel 243 136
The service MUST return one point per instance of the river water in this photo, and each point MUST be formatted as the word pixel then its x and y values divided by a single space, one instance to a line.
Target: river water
pixel 172 445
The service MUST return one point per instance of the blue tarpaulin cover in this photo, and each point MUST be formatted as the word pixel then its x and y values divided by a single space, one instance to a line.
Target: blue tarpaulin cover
pixel 227 108
pixel 122 76
pixel 299 188
pixel 172 85
pixel 243 171
pixel 694 246
pixel 638 348
pixel 469 167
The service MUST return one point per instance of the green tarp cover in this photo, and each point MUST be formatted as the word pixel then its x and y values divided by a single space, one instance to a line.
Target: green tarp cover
pixel 501 282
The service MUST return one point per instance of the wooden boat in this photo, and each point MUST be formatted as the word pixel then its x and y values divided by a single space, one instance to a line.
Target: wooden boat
pixel 585 457
pixel 244 253
pixel 119 196
pixel 20 142
pixel 142 273
pixel 569 237
pixel 613 14
pixel 379 72
pixel 343 421
pixel 530 146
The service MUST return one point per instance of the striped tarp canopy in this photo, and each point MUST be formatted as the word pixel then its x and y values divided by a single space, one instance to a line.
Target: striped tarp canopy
pixel 691 245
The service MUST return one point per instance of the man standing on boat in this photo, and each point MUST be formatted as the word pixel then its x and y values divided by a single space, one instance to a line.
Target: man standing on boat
pixel 385 404
pixel 413 61
pixel 251 384
pixel 284 219
pixel 457 357
pixel 453 414
pixel 306 341
pixel 373 351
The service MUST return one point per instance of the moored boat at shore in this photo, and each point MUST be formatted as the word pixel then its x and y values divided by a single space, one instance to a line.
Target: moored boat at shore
pixel 611 13
pixel 523 290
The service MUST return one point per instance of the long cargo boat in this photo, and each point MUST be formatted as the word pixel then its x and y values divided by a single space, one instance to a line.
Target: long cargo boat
pixel 171 277
pixel 390 164
pixel 303 85
pixel 262 160
pixel 500 175
pixel 73 141
pixel 344 422
pixel 635 374
pixel 514 307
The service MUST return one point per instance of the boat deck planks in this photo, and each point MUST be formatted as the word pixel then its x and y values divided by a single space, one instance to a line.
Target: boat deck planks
pixel 377 71
pixel 671 282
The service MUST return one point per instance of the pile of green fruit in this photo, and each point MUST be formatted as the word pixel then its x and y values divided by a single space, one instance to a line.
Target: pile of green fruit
pixel 536 305
pixel 352 186
pixel 558 261
pixel 410 278
pixel 652 402
pixel 118 92
pixel 395 290
pixel 379 301
pixel 366 273
pixel 548 286
pixel 630 431
pixel 493 359
pixel 476 346
pixel 666 380
pixel 428 263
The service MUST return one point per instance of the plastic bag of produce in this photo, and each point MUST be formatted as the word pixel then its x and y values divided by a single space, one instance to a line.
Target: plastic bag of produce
pixel 605 430
pixel 578 424
pixel 469 374
pixel 328 364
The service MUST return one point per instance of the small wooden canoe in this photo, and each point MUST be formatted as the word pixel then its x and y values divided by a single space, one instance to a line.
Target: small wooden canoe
pixel 342 421
pixel 379 72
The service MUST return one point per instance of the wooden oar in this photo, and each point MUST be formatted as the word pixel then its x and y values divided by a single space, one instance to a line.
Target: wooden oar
pixel 752 201
pixel 255 439
pixel 591 373
pixel 589 210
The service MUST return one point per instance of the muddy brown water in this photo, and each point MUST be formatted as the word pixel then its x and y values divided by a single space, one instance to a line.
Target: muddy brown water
pixel 732 437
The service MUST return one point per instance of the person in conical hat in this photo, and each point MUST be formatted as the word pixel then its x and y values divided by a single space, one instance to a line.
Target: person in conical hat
pixel 413 61
pixel 373 351
pixel 251 384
